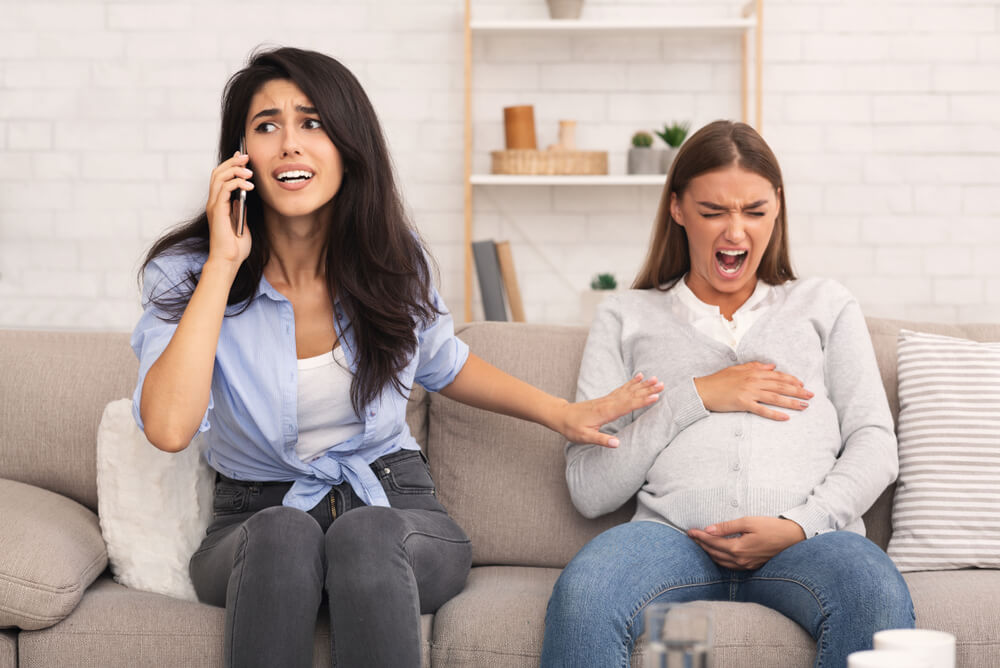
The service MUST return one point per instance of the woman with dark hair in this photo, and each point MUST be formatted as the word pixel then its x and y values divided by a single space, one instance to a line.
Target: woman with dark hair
pixel 736 499
pixel 292 345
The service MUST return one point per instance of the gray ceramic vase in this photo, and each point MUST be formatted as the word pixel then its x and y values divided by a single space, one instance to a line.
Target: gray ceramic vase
pixel 669 154
pixel 643 160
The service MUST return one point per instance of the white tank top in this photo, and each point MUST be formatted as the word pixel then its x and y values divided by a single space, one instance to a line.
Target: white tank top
pixel 325 414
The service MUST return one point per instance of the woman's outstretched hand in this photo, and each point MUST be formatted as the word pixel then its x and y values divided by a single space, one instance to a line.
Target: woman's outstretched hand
pixel 482 385
pixel 748 542
pixel 581 422
pixel 752 387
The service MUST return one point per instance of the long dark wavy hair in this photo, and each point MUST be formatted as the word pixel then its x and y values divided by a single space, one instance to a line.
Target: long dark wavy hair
pixel 717 145
pixel 376 264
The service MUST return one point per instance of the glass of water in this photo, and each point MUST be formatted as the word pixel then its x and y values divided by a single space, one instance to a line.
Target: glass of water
pixel 678 635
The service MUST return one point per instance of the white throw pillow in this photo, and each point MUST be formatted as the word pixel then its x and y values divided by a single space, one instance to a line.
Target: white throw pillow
pixel 154 506
pixel 946 512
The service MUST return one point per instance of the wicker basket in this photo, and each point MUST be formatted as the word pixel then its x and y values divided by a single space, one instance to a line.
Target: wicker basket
pixel 526 161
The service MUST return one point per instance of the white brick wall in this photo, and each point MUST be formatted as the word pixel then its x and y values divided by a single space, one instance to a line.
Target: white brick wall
pixel 885 114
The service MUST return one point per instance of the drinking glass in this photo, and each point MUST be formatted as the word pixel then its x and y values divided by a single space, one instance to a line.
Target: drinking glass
pixel 678 635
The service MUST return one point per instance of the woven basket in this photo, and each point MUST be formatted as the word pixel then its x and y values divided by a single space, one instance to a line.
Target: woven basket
pixel 526 161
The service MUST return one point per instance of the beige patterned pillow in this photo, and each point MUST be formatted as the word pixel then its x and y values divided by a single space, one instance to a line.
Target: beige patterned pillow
pixel 946 513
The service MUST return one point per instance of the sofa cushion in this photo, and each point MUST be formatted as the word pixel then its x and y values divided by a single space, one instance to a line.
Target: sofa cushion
pixel 499 620
pixel 502 479
pixel 116 627
pixel 885 334
pixel 946 512
pixel 55 386
pixel 8 649
pixel 52 550
pixel 963 603
pixel 154 505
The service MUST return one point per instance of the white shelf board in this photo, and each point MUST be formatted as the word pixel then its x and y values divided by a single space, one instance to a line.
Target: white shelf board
pixel 577 26
pixel 544 180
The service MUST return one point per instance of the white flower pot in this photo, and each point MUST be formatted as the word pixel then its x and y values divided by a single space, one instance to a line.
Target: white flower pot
pixel 565 9
pixel 589 301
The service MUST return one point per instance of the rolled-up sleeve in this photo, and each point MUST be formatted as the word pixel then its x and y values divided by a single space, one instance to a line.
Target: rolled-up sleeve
pixel 153 332
pixel 441 354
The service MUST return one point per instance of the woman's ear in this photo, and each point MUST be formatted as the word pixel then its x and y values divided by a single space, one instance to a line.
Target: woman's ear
pixel 675 209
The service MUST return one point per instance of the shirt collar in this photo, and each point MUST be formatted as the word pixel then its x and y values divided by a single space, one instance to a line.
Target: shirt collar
pixel 700 309
pixel 265 289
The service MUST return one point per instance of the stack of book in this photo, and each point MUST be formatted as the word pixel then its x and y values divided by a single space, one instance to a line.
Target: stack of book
pixel 495 270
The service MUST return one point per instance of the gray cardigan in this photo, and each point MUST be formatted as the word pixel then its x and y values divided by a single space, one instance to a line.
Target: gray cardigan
pixel 822 468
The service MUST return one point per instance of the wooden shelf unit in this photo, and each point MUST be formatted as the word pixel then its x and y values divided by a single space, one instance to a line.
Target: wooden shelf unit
pixel 749 22
pixel 580 26
pixel 601 180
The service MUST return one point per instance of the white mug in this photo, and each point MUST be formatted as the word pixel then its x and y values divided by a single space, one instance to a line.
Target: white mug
pixel 936 647
pixel 885 658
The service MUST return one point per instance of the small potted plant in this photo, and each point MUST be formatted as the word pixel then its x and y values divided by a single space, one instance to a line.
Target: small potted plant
pixel 673 134
pixel 601 286
pixel 642 157
pixel 603 282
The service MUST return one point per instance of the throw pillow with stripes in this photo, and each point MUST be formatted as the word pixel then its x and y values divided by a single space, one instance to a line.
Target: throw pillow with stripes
pixel 946 512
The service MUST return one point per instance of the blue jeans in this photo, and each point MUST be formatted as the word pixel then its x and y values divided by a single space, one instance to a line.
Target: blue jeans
pixel 839 586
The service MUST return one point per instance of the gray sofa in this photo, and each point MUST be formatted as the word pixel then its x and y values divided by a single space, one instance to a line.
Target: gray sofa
pixel 501 479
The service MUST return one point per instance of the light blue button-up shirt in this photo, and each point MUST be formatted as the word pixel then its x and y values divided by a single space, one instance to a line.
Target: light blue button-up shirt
pixel 251 422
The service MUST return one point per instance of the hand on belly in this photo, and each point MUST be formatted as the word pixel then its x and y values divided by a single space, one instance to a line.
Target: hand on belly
pixel 747 543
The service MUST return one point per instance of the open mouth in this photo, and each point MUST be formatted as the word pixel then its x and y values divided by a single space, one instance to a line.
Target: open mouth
pixel 294 176
pixel 730 261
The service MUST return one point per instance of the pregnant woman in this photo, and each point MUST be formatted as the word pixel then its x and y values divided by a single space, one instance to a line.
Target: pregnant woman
pixel 771 438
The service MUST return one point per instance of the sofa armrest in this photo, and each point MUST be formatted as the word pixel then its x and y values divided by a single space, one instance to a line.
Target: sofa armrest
pixel 52 550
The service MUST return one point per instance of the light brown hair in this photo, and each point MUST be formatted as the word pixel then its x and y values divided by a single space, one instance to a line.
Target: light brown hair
pixel 718 145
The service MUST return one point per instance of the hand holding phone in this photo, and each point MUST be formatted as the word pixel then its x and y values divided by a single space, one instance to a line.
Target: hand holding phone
pixel 229 233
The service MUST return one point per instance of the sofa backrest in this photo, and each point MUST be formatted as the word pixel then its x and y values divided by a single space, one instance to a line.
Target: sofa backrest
pixel 503 479
pixel 500 478
pixel 53 390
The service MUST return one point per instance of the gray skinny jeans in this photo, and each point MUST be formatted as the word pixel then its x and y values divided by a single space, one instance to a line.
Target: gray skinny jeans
pixel 382 568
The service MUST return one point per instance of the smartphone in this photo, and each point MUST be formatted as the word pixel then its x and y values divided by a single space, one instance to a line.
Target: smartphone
pixel 238 206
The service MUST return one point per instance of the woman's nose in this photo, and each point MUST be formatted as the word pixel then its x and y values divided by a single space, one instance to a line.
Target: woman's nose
pixel 736 229
pixel 290 143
